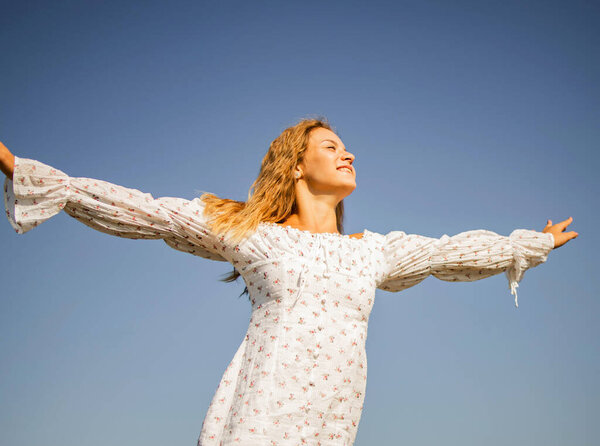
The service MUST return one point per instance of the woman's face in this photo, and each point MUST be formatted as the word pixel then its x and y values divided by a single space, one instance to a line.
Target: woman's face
pixel 327 166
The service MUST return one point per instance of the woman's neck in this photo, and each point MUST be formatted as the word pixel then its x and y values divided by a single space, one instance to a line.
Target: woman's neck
pixel 311 224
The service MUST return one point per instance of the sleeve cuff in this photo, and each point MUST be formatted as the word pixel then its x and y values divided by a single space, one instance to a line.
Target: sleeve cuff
pixel 530 248
pixel 36 193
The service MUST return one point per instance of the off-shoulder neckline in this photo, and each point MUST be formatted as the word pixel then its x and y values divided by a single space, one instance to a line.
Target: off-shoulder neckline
pixel 306 233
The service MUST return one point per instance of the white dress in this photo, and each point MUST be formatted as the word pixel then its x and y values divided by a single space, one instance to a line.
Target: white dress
pixel 299 375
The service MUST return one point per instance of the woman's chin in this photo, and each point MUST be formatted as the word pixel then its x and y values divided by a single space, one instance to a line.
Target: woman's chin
pixel 349 188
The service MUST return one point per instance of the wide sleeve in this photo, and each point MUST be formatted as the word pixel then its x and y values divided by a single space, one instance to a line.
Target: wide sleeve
pixel 472 255
pixel 38 192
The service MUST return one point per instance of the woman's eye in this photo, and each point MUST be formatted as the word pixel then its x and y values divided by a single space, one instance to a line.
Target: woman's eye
pixel 331 147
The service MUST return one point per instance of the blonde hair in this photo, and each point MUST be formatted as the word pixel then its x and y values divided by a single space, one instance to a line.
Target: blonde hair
pixel 272 196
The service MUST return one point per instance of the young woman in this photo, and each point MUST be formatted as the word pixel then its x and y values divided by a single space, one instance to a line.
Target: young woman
pixel 299 375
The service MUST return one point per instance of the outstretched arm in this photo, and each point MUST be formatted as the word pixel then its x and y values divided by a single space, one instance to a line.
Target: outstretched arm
pixel 37 191
pixel 472 255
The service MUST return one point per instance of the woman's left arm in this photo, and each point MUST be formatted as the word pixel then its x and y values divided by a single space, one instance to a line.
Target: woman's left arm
pixel 468 256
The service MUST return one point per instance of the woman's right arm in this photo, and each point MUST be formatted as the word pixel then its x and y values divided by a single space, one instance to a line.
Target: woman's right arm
pixel 37 191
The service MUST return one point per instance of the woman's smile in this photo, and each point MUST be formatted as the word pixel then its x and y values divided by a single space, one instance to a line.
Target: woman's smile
pixel 346 169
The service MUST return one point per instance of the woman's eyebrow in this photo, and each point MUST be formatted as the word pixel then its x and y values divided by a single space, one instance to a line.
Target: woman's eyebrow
pixel 330 140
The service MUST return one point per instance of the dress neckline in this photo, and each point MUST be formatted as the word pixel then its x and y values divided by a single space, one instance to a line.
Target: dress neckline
pixel 306 233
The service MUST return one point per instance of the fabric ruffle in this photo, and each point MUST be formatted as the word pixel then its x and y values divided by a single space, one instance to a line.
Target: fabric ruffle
pixel 530 248
pixel 36 193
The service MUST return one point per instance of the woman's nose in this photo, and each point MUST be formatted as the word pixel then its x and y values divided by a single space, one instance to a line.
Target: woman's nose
pixel 349 156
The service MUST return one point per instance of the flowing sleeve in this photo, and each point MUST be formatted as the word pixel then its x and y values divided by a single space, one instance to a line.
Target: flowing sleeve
pixel 38 192
pixel 472 255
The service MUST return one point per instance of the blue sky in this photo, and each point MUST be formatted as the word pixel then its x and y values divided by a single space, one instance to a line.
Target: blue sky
pixel 462 115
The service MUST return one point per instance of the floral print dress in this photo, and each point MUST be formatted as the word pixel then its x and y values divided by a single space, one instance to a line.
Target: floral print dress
pixel 300 373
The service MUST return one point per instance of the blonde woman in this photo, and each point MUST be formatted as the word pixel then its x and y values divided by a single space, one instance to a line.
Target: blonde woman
pixel 299 375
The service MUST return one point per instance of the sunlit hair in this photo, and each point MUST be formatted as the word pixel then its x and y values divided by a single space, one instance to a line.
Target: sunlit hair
pixel 272 196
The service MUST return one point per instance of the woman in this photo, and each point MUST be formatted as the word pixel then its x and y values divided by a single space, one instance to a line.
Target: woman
pixel 299 375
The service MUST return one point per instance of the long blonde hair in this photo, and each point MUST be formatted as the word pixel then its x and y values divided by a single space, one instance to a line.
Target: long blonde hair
pixel 272 196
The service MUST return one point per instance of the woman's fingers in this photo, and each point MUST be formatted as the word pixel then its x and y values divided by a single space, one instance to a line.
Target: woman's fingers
pixel 566 236
pixel 563 237
pixel 560 237
pixel 563 224
pixel 558 227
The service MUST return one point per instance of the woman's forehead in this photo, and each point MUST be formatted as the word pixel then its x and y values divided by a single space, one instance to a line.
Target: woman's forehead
pixel 321 134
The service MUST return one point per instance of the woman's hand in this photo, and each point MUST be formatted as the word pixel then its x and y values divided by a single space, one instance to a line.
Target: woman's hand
pixel 560 237
pixel 7 161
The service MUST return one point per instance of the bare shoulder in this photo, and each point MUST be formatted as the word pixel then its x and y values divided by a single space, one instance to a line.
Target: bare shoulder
pixel 358 235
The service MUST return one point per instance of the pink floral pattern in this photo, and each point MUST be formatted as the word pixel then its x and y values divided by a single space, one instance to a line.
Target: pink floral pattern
pixel 300 373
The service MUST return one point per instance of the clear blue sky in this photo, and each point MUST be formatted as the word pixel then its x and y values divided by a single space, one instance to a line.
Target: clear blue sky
pixel 462 115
